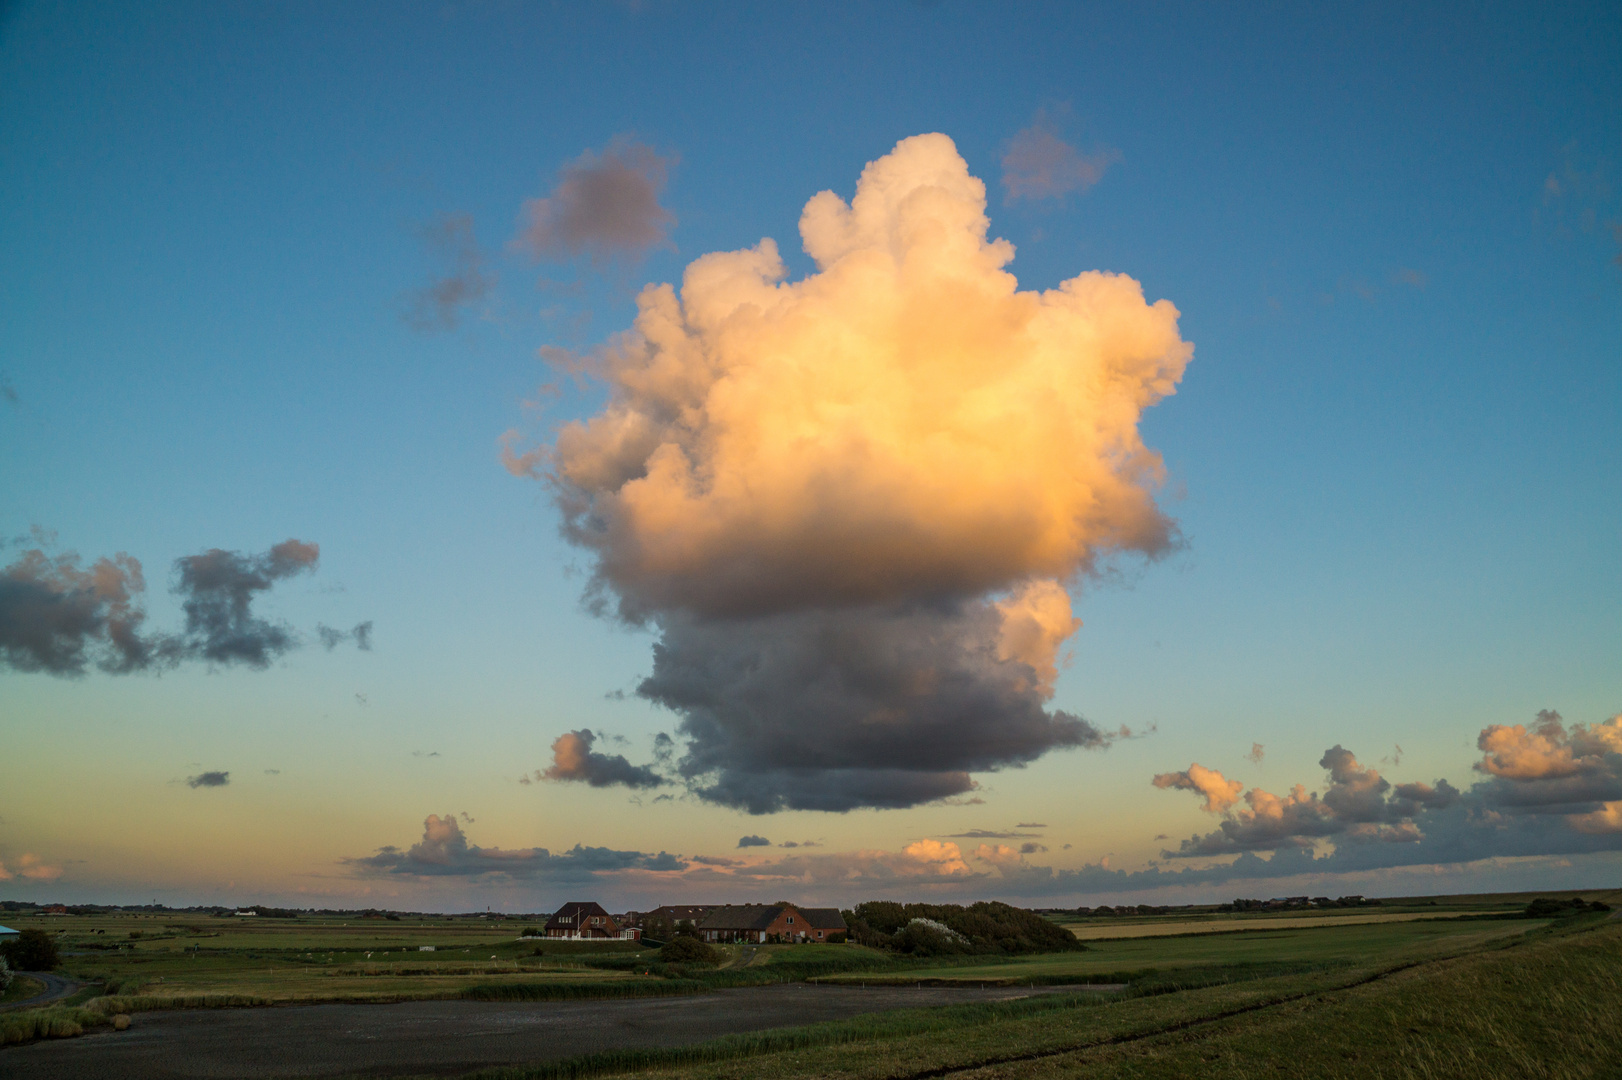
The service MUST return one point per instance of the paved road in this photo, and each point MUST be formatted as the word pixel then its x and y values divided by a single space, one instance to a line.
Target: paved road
pixel 56 988
pixel 440 1037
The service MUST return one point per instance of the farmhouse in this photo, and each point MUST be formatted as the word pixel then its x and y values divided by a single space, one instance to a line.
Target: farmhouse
pixel 6 931
pixel 772 922
pixel 577 921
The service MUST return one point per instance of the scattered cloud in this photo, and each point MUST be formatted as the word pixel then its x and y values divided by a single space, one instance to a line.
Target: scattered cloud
pixel 273 772
pixel 30 867
pixel 1220 792
pixel 1031 825
pixel 753 841
pixel 1031 847
pixel 1411 277
pixel 217 590
pixel 58 618
pixel 574 759
pixel 1546 790
pixel 444 851
pixel 430 753
pixel 1542 768
pixel 360 634
pixel 439 306
pixel 1038 164
pixel 992 834
pixel 208 779
pixel 8 392
pixel 1256 754
pixel 61 618
pixel 605 205
pixel 824 544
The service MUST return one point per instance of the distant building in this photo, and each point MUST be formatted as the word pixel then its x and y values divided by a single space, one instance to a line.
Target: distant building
pixel 247 914
pixel 669 913
pixel 577 921
pixel 6 931
pixel 54 909
pixel 761 923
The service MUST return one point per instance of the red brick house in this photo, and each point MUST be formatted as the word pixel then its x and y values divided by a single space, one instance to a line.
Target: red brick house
pixel 761 923
pixel 578 921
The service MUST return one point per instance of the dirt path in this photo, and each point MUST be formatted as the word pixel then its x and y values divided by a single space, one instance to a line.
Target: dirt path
pixel 56 988
pixel 440 1037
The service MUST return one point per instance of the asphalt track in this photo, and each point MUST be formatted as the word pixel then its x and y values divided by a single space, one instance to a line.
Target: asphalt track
pixel 443 1037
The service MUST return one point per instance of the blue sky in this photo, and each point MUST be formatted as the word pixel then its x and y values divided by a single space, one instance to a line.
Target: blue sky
pixel 1393 458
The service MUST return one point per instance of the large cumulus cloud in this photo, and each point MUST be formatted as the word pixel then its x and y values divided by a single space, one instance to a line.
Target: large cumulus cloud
pixel 852 503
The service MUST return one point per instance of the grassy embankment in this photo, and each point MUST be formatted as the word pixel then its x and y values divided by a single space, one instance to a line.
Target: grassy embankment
pixel 1541 1002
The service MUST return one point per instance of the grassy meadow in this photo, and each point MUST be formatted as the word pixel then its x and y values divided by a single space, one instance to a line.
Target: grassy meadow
pixel 1541 1002
pixel 1455 986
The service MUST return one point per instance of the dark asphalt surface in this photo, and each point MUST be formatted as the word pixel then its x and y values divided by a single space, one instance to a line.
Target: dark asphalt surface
pixel 438 1037
pixel 56 988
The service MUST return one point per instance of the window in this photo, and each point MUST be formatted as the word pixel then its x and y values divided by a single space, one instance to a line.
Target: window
pixel 791 920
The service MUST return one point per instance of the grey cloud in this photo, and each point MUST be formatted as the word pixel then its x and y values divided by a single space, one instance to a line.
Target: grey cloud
pixel 208 779
pixel 713 860
pixel 603 205
pixel 439 305
pixel 360 634
pixel 1038 164
pixel 1031 847
pixel 218 588
pixel 574 759
pixel 1031 825
pixel 992 834
pixel 1358 805
pixel 444 851
pixel 1549 792
pixel 753 841
pixel 58 618
pixel 833 710
pixel 8 392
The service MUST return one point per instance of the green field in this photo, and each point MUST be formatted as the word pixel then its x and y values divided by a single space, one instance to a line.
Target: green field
pixel 1429 986
pixel 1540 1003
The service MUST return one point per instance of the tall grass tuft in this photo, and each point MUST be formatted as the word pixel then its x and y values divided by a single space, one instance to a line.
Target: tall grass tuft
pixel 51 1022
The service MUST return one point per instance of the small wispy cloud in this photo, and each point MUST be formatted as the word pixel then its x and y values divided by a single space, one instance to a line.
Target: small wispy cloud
pixel 1038 164
pixel 439 306
pixel 753 841
pixel 604 205
pixel 208 779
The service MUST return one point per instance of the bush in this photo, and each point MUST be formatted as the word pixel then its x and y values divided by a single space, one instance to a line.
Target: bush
pixel 1546 908
pixel 988 927
pixel 688 950
pixel 926 937
pixel 31 950
pixel 5 974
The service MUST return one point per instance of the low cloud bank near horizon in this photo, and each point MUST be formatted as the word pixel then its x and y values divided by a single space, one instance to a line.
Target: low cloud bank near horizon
pixel 444 851
pixel 852 505
pixel 60 618
pixel 1546 790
